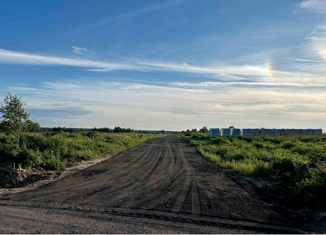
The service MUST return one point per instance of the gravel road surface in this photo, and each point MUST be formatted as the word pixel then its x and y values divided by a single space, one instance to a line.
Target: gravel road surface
pixel 161 186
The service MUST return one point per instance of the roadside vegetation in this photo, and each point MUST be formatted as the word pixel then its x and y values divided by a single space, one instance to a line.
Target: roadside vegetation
pixel 54 150
pixel 296 163
pixel 62 150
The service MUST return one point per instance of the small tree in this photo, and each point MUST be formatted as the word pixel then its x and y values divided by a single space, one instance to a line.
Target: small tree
pixel 204 130
pixel 15 118
pixel 33 126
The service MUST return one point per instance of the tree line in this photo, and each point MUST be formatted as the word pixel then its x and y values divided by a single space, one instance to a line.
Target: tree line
pixel 113 130
pixel 202 130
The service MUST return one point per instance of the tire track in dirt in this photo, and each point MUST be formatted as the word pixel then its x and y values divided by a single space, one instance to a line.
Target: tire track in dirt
pixel 186 186
pixel 89 186
pixel 171 189
pixel 175 217
pixel 168 173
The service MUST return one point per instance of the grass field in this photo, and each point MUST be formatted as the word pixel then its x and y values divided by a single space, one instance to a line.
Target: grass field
pixel 61 150
pixel 295 162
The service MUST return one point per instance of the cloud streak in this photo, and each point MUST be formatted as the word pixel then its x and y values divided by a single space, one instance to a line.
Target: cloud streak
pixel 78 50
pixel 137 12
pixel 10 57
pixel 315 5
pixel 251 84
pixel 259 75
pixel 318 40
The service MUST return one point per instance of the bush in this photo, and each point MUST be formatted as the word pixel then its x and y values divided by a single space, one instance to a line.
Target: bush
pixel 288 144
pixel 55 152
pixel 221 140
pixel 282 161
pixel 316 176
pixel 52 162
pixel 30 158
pixel 261 156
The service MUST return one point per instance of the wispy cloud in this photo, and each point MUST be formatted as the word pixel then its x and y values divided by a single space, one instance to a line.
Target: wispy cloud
pixel 318 40
pixel 78 50
pixel 315 5
pixel 11 57
pixel 137 12
pixel 245 70
pixel 223 71
pixel 252 84
pixel 303 60
pixel 315 46
pixel 140 65
pixel 99 70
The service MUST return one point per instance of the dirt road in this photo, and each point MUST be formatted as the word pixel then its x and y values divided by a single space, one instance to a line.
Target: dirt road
pixel 164 180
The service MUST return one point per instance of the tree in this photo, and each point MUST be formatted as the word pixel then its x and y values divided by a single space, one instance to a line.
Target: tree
pixel 33 126
pixel 187 132
pixel 203 130
pixel 2 127
pixel 194 130
pixel 15 118
pixel 231 127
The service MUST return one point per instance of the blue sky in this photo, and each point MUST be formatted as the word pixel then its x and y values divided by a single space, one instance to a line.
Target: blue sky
pixel 170 65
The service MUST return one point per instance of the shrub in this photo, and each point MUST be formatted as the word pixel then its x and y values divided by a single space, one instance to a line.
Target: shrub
pixel 303 156
pixel 288 144
pixel 316 176
pixel 52 162
pixel 221 140
pixel 57 151
pixel 30 158
pixel 302 149
pixel 282 161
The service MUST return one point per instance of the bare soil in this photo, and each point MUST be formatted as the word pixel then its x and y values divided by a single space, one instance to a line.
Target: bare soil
pixel 25 180
pixel 167 180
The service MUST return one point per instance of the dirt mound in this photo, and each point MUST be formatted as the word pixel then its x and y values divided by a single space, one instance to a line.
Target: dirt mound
pixel 22 178
pixel 22 181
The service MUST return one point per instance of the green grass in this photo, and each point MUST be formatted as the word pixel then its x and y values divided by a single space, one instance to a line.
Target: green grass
pixel 263 156
pixel 62 150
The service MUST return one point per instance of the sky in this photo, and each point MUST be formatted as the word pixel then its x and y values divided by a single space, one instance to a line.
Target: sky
pixel 172 65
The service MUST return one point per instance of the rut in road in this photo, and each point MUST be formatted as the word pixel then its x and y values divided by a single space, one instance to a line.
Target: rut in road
pixel 164 174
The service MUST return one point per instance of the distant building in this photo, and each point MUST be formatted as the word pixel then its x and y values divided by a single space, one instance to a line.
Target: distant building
pixel 281 131
pixel 235 132
pixel 264 131
pixel 226 132
pixel 308 131
pixel 317 131
pixel 272 131
pixel 290 131
pixel 214 132
pixel 298 131
pixel 245 132
pixel 254 131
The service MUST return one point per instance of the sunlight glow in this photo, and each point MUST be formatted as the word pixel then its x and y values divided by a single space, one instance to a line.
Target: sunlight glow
pixel 269 69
